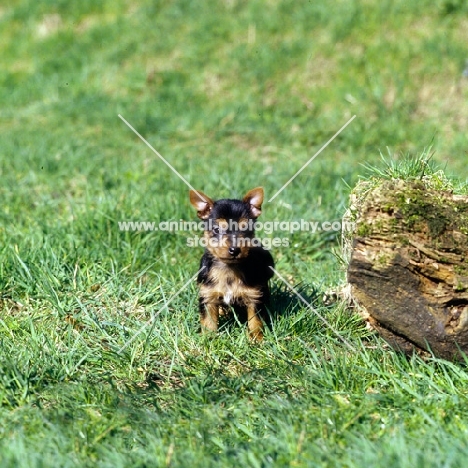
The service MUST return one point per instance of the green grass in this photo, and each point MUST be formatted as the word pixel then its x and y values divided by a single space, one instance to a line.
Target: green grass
pixel 234 94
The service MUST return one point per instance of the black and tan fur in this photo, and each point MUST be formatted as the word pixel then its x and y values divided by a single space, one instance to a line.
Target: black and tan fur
pixel 235 273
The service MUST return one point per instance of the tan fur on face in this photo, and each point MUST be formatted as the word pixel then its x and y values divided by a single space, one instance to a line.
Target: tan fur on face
pixel 221 251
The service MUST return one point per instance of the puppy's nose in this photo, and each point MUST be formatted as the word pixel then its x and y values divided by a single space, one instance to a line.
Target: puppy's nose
pixel 234 251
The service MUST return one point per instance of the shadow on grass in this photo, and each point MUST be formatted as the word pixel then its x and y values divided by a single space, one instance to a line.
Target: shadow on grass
pixel 284 303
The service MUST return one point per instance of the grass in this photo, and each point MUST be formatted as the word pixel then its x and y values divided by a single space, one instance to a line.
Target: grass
pixel 234 94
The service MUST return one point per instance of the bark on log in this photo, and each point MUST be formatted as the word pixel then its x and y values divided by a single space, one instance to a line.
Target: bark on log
pixel 408 266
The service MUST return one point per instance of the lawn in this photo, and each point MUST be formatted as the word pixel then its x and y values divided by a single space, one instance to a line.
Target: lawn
pixel 101 359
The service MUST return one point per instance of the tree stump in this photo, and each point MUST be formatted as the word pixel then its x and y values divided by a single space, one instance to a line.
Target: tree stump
pixel 408 265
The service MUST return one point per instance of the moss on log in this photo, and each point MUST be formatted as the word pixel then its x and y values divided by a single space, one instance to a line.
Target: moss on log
pixel 408 265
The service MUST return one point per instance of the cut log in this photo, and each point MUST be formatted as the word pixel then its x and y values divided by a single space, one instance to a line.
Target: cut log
pixel 408 265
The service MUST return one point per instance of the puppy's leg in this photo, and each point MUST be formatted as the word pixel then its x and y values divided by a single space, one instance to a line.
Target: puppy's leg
pixel 209 316
pixel 254 323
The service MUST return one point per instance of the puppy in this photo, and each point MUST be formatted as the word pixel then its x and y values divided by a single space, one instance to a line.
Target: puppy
pixel 236 268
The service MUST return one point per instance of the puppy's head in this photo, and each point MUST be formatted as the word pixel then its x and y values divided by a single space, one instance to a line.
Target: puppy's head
pixel 229 224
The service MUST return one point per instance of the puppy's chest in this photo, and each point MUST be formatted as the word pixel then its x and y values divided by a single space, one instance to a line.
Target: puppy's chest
pixel 227 285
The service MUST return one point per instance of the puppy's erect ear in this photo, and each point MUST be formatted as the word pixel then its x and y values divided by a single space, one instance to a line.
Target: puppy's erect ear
pixel 202 203
pixel 254 198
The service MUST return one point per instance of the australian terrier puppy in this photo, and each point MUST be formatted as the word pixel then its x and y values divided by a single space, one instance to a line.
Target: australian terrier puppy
pixel 235 267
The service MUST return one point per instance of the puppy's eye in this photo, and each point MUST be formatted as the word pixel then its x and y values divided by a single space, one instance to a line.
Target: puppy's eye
pixel 216 230
pixel 243 225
